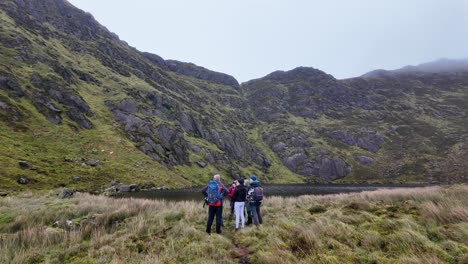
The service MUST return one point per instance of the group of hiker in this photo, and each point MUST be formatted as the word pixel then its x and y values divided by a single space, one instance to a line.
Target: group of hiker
pixel 245 196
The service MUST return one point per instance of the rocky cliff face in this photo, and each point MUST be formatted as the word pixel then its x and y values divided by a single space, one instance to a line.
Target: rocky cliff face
pixel 72 92
pixel 394 128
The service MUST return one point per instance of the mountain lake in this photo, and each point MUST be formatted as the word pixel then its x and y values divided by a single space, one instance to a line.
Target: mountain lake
pixel 283 190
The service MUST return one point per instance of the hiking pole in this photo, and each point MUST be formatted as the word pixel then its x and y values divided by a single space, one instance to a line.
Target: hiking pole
pixel 204 202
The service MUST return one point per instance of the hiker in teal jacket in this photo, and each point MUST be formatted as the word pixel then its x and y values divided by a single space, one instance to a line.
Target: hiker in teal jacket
pixel 255 202
pixel 247 205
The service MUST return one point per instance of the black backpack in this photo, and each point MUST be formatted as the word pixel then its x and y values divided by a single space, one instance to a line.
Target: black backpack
pixel 255 194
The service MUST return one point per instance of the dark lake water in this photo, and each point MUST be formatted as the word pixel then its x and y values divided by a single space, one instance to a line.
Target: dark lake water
pixel 285 190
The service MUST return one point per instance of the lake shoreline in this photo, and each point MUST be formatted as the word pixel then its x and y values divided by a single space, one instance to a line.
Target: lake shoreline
pixel 284 190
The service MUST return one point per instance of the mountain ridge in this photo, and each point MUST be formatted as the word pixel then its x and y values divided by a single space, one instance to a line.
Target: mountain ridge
pixel 437 66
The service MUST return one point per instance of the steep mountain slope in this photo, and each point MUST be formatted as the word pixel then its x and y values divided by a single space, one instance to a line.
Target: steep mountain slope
pixel 72 93
pixel 399 127
pixel 75 100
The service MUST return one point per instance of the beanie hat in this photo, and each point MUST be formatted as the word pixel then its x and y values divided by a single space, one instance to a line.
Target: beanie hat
pixel 253 177
pixel 241 181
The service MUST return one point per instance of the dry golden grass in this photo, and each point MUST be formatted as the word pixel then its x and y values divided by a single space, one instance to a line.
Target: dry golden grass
pixel 421 225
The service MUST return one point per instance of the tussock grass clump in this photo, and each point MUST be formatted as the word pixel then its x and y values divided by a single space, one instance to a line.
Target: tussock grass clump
pixel 421 225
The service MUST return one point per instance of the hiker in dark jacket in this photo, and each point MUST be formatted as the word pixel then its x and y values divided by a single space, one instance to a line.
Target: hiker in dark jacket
pixel 239 197
pixel 215 205
pixel 255 202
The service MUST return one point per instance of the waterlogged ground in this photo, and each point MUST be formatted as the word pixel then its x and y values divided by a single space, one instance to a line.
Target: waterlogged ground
pixel 418 225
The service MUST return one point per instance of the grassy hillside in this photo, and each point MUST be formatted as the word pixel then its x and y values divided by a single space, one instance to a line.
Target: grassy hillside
pixel 421 225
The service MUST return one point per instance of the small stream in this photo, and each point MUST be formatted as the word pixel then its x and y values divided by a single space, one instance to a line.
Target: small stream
pixel 284 190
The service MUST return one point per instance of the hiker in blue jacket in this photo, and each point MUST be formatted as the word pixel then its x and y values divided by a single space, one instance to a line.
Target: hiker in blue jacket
pixel 214 193
pixel 255 198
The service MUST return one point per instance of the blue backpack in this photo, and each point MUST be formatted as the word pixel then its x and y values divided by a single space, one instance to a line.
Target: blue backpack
pixel 213 192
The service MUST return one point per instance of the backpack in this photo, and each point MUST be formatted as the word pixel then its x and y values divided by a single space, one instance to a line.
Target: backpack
pixel 213 192
pixel 257 195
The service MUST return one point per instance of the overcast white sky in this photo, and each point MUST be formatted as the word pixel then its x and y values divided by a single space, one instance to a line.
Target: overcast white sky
pixel 251 38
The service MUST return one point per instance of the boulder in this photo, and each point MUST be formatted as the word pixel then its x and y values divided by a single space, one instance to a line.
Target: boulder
pixel 92 163
pixel 364 160
pixel 123 188
pixel 24 164
pixel 65 194
pixel 134 188
pixel 201 164
pixel 128 188
pixel 128 105
pixel 12 87
pixel 331 169
pixel 23 180
pixel 76 179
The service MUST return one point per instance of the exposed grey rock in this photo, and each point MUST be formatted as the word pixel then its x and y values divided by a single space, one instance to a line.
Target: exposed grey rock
pixel 24 165
pixel 195 148
pixel 76 179
pixel 289 145
pixel 12 87
pixel 201 164
pixel 45 107
pixel 76 107
pixel 134 188
pixel 3 105
pixel 123 188
pixel 364 160
pixel 23 180
pixel 80 119
pixel 127 188
pixel 367 140
pixel 331 169
pixel 65 194
pixel 92 163
pixel 9 112
pixel 128 105
pixel 86 77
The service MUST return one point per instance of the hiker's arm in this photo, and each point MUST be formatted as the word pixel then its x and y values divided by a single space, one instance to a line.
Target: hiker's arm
pixel 224 190
pixel 204 190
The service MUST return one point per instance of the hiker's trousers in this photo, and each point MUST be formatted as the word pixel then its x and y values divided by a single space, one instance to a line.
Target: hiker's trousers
pixel 212 212
pixel 239 208
pixel 256 215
